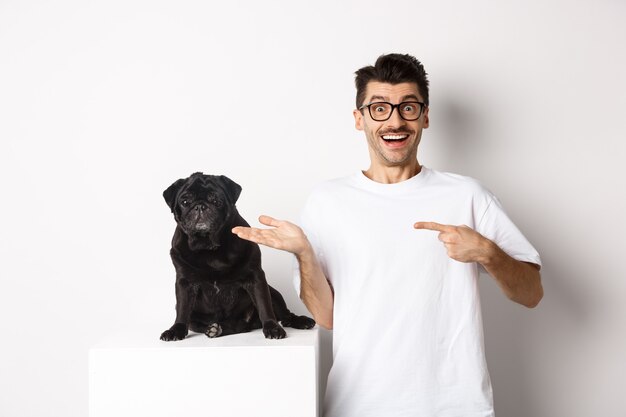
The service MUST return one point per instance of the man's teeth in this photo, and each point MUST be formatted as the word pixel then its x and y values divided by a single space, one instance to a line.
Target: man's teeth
pixel 395 137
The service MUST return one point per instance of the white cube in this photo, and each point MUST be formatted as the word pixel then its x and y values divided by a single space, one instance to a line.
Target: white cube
pixel 136 374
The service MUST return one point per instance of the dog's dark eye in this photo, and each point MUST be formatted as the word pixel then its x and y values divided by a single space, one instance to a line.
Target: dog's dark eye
pixel 216 201
pixel 184 203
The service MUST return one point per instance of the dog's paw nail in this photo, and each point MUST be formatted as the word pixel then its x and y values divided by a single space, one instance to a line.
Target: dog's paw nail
pixel 274 331
pixel 214 330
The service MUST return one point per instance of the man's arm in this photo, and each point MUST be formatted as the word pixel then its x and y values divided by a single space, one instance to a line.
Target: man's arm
pixel 315 290
pixel 520 281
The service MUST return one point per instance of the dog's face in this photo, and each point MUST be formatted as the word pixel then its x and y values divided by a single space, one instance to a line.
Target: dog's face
pixel 203 204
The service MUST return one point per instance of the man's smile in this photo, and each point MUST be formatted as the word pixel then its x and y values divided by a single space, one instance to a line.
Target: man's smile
pixel 395 140
pixel 395 137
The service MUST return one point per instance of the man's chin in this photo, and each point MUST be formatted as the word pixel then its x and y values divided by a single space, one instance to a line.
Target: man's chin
pixel 396 159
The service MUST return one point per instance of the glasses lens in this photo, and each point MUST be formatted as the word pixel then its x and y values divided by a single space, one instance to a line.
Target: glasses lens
pixel 380 111
pixel 410 110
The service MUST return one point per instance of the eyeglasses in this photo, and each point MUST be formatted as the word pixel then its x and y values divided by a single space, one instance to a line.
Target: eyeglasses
pixel 381 110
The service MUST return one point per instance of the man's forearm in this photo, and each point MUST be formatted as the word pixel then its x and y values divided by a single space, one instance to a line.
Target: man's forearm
pixel 315 290
pixel 520 281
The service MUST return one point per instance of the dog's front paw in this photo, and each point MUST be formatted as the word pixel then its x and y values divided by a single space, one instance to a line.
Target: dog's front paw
pixel 177 332
pixel 214 330
pixel 273 330
pixel 299 322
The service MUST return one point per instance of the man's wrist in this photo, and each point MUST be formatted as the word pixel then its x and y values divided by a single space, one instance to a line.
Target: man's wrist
pixel 306 253
pixel 489 254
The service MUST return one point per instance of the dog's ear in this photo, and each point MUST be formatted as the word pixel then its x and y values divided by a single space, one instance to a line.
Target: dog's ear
pixel 231 187
pixel 170 194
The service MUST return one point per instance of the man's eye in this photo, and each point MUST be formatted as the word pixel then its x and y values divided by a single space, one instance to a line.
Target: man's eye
pixel 379 109
pixel 408 107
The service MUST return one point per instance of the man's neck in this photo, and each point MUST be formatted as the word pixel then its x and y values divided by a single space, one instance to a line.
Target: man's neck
pixel 392 174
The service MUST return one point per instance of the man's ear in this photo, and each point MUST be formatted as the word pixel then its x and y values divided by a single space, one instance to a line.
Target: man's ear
pixel 425 116
pixel 231 187
pixel 170 194
pixel 358 119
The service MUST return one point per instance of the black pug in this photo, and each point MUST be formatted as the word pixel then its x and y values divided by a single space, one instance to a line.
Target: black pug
pixel 220 286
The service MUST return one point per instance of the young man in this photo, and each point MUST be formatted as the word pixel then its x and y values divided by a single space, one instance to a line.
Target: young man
pixel 403 301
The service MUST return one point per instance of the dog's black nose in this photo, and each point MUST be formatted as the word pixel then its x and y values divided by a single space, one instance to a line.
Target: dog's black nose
pixel 200 207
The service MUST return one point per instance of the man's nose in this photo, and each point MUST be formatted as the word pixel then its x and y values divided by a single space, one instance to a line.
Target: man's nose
pixel 395 119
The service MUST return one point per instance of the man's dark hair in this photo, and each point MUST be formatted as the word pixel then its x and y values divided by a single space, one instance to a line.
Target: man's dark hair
pixel 392 69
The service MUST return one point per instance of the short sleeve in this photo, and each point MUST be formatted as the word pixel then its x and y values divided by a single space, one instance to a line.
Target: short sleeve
pixel 496 226
pixel 308 224
pixel 296 275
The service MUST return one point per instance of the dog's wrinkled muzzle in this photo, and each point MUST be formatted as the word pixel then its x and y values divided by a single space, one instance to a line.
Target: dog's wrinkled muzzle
pixel 201 226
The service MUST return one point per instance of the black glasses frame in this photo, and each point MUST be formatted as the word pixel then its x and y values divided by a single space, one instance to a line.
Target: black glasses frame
pixel 393 107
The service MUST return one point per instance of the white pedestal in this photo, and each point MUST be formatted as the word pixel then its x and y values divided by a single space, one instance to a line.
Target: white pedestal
pixel 243 375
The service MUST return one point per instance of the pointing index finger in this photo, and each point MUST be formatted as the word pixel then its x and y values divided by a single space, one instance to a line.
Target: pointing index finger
pixel 432 226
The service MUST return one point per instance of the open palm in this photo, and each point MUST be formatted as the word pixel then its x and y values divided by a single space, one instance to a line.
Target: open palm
pixel 283 235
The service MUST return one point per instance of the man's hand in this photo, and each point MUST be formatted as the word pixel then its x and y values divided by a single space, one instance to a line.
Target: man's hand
pixel 520 281
pixel 315 289
pixel 284 235
pixel 463 243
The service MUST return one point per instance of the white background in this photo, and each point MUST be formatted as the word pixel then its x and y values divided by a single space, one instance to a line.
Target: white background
pixel 104 104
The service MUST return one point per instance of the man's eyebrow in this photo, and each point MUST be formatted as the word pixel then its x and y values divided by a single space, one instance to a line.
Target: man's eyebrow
pixel 410 96
pixel 381 98
pixel 404 98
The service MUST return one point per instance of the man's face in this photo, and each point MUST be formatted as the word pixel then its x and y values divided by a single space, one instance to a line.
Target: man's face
pixel 392 142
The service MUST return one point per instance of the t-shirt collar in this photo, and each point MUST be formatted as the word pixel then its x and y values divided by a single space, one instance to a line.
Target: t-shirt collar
pixel 399 187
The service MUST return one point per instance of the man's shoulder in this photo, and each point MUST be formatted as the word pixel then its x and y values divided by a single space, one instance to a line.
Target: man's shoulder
pixel 328 193
pixel 432 180
pixel 333 185
pixel 457 181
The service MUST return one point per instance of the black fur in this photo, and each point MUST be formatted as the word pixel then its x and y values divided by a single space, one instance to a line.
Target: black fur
pixel 220 286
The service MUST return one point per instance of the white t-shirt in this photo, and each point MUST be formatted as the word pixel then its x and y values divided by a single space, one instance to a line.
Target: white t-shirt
pixel 407 327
